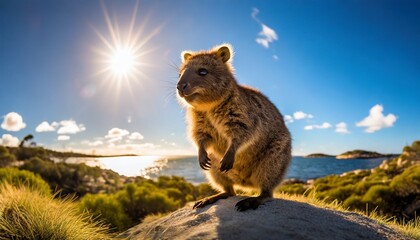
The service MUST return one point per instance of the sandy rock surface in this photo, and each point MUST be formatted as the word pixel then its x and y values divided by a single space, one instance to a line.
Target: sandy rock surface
pixel 277 219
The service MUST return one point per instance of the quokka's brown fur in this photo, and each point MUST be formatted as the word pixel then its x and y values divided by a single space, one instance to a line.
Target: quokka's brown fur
pixel 241 137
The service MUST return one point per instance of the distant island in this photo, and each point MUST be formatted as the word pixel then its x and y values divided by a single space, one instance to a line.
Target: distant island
pixel 361 154
pixel 319 155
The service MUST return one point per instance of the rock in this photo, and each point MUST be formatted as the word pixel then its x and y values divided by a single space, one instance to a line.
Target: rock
pixel 384 165
pixel 276 219
pixel 292 180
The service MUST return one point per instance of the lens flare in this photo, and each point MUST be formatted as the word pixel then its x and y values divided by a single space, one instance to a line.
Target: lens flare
pixel 123 52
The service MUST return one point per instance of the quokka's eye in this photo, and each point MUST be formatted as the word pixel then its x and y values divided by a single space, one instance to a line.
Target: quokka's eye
pixel 202 72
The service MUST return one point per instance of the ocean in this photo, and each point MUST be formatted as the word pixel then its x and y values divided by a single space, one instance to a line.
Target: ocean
pixel 187 167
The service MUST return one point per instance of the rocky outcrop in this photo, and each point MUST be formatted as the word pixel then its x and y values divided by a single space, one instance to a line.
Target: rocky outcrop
pixel 276 219
pixel 360 154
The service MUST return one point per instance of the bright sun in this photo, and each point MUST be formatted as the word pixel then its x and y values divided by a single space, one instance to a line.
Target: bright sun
pixel 121 59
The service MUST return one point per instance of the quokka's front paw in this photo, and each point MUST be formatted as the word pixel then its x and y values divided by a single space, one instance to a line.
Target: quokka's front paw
pixel 227 161
pixel 204 160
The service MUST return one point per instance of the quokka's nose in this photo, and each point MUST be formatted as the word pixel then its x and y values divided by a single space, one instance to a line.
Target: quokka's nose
pixel 181 87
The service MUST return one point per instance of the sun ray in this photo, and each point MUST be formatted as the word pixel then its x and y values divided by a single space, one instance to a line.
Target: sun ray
pixel 109 24
pixel 133 20
pixel 155 32
pixel 123 57
pixel 104 40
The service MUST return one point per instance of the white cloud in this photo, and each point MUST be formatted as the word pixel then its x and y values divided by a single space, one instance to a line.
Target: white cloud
pixel 9 140
pixel 63 138
pixel 263 42
pixel 116 134
pixel 46 127
pixel 254 13
pixel 376 120
pixel 341 128
pixel 143 148
pixel 13 122
pixel 309 127
pixel 70 127
pixel 301 115
pixel 325 125
pixel 135 147
pixel 96 143
pixel 135 136
pixel 267 34
pixel 288 119
pixel 115 139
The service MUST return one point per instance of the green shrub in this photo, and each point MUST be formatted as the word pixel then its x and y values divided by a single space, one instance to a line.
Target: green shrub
pixel 24 153
pixel 74 178
pixel 3 150
pixel 378 195
pixel 18 178
pixel 107 208
pixel 26 214
pixel 174 183
pixel 407 183
pixel 176 195
pixel 6 159
pixel 362 187
pixel 339 193
pixel 135 201
pixel 354 202
pixel 204 190
pixel 139 201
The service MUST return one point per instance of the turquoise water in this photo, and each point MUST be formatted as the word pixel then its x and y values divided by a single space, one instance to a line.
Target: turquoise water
pixel 300 168
pixel 187 167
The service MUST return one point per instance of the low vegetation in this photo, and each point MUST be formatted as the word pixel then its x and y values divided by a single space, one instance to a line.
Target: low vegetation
pixel 76 179
pixel 129 206
pixel 29 214
pixel 118 201
pixel 390 190
pixel 35 190
pixel 6 158
pixel 22 178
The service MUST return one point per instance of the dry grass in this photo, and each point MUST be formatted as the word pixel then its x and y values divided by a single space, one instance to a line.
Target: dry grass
pixel 411 229
pixel 26 214
pixel 152 217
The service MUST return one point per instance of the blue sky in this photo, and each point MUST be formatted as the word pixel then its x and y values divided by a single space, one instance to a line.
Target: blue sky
pixel 345 73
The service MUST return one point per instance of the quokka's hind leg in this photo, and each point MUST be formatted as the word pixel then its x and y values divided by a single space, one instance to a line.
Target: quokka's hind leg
pixel 268 174
pixel 212 199
pixel 253 202
pixel 267 186
pixel 229 192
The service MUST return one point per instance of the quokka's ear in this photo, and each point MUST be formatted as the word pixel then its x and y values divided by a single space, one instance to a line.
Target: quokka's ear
pixel 185 55
pixel 225 52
